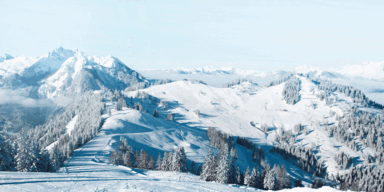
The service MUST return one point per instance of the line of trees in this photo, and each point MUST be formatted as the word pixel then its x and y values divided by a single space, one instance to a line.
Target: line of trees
pixel 291 91
pixel 303 157
pixel 258 153
pixel 172 161
pixel 280 81
pixel 222 169
pixel 357 95
pixel 237 82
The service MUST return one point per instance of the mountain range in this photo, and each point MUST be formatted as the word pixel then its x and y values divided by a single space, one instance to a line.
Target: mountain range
pixel 64 72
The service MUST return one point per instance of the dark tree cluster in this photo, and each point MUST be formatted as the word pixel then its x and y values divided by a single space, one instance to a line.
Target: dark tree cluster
pixel 363 178
pixel 291 91
pixel 220 140
pixel 303 157
pixel 172 161
pixel 280 81
pixel 343 160
pixel 357 95
pixel 258 153
pixel 237 82
pixel 318 183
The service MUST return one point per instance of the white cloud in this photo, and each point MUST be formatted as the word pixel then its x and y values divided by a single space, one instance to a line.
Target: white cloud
pixel 9 96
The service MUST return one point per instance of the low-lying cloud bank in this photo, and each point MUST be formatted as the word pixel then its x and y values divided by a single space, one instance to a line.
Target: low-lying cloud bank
pixel 9 96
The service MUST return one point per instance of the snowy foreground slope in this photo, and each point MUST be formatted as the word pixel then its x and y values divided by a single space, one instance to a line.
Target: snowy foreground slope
pixel 88 169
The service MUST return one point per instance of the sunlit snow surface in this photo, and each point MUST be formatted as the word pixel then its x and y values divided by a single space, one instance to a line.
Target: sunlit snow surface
pixel 228 109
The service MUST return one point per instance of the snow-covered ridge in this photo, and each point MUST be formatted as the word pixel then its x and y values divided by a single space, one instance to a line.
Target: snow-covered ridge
pixel 223 70
pixel 5 57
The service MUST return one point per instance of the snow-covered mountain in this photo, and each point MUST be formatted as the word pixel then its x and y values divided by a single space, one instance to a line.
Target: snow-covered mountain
pixel 66 72
pixel 223 70
pixel 369 70
pixel 5 57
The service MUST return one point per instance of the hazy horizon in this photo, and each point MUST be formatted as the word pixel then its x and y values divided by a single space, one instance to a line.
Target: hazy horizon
pixel 256 35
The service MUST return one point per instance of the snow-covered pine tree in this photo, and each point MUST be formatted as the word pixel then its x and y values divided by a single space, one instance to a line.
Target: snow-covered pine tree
pixel 22 158
pixel 151 163
pixel 247 177
pixel 6 157
pixel 55 158
pixel 144 159
pixel 127 157
pixel 179 160
pixel 270 179
pixel 208 172
pixel 239 176
pixel 158 162
pixel 223 168
pixel 232 171
pixel 234 153
pixel 164 163
pixel 137 158
pixel 253 178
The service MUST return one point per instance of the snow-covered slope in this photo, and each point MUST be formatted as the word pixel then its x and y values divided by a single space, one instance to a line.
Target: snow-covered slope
pixel 232 109
pixel 88 169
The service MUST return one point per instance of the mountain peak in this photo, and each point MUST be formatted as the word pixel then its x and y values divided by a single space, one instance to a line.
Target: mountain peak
pixel 61 52
pixel 6 57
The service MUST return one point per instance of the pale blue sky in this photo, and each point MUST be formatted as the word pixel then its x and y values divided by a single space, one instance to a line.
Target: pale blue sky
pixel 245 34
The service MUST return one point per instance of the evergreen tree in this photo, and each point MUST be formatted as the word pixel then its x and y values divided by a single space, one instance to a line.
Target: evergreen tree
pixel 269 179
pixel 128 159
pixel 208 172
pixel 156 114
pixel 223 168
pixel 144 159
pixel 158 162
pixel 179 160
pixel 55 158
pixel 298 183
pixel 164 164
pixel 239 179
pixel 6 157
pixel 247 177
pixel 151 163
pixel 193 168
pixel 253 178
pixel 137 158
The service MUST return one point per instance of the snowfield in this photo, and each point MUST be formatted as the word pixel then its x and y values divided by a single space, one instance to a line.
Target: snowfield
pixel 88 168
pixel 230 110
